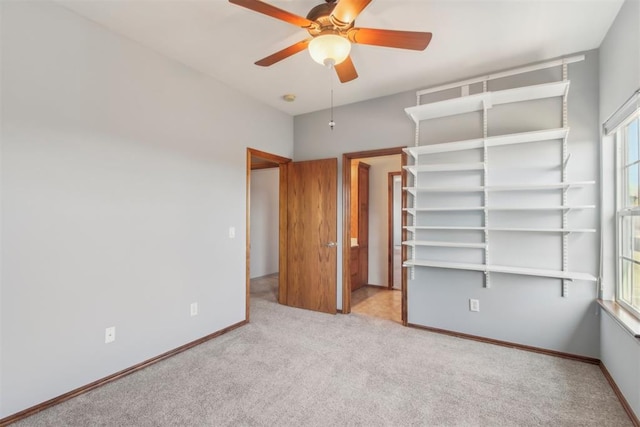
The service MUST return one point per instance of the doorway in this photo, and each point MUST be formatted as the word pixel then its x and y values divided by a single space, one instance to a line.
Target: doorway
pixel 307 231
pixel 394 227
pixel 349 266
pixel 258 161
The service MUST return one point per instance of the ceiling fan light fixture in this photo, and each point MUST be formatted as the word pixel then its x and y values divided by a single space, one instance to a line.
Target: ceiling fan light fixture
pixel 329 49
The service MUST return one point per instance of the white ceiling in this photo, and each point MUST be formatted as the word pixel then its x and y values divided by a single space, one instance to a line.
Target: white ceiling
pixel 474 37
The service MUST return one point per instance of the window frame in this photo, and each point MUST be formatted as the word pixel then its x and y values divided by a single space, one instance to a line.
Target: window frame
pixel 622 211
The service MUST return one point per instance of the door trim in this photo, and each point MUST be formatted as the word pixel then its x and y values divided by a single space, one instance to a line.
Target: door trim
pixel 263 160
pixel 346 223
pixel 390 221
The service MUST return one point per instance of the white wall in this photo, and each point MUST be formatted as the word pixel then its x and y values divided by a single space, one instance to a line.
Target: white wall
pixel 378 215
pixel 517 308
pixel 121 174
pixel 619 78
pixel 265 187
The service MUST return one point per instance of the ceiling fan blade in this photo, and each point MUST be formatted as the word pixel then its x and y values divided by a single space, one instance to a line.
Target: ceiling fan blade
pixel 284 53
pixel 390 38
pixel 274 12
pixel 346 71
pixel 346 11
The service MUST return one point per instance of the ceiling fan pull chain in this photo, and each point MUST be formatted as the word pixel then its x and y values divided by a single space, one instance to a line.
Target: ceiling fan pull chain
pixel 331 122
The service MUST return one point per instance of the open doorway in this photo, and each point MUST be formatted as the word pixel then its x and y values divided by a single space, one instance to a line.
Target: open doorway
pixel 375 241
pixel 394 248
pixel 263 207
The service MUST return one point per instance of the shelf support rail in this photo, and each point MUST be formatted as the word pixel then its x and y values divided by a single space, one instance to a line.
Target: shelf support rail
pixel 565 161
pixel 414 180
pixel 485 183
pixel 417 135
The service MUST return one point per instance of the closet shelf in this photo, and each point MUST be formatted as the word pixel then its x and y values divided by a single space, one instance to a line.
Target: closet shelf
pixel 566 275
pixel 491 141
pixel 415 243
pixel 477 102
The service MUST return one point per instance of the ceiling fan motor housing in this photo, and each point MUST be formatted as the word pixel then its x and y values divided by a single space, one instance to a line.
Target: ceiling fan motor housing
pixel 325 22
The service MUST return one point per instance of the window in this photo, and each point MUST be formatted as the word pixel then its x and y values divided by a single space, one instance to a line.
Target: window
pixel 628 213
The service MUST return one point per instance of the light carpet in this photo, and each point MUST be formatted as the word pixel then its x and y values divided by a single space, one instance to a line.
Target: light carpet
pixel 292 367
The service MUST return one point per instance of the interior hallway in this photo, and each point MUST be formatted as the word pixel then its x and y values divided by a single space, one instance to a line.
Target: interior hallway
pixel 378 301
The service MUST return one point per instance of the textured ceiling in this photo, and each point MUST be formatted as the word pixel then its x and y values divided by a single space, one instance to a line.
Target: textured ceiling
pixel 223 41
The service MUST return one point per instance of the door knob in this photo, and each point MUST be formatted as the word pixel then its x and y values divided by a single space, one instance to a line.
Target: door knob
pixel 331 244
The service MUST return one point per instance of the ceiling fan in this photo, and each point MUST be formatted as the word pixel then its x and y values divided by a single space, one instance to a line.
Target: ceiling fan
pixel 332 30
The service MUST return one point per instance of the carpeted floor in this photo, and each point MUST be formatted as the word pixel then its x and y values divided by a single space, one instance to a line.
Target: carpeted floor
pixel 292 367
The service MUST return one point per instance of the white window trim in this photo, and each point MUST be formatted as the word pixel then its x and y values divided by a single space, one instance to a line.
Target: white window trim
pixel 620 212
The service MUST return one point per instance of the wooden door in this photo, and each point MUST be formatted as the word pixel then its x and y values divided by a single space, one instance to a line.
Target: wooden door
pixel 363 223
pixel 311 235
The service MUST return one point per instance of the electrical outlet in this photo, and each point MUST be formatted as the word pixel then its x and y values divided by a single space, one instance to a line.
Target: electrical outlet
pixel 110 335
pixel 474 305
pixel 232 232
pixel 194 308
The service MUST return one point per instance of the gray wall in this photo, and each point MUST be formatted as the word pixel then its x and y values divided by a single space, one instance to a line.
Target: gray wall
pixel 619 78
pixel 122 172
pixel 265 188
pixel 516 308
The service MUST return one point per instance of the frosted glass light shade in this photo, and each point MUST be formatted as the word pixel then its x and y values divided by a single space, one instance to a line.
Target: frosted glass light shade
pixel 329 49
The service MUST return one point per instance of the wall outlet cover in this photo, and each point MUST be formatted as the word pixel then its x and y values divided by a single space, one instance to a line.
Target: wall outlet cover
pixel 110 335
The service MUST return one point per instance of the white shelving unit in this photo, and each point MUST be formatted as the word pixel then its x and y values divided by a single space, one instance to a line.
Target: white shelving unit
pixel 480 101
pixel 474 198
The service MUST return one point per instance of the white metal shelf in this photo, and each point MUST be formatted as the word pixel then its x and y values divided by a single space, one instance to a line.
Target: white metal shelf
pixel 496 188
pixel 444 167
pixel 413 211
pixel 566 275
pixel 458 189
pixel 478 102
pixel 536 187
pixel 415 243
pixel 540 208
pixel 491 141
pixel 544 230
pixel 414 228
